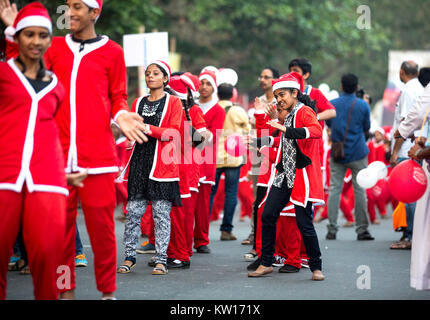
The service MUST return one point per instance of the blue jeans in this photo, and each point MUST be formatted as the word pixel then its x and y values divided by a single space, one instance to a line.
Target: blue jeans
pixel 232 176
pixel 410 213
pixel 79 247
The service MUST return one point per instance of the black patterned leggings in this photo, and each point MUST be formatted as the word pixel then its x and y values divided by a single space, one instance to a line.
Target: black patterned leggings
pixel 161 214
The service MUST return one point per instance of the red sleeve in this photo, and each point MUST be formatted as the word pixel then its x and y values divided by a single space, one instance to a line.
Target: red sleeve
pixel 261 120
pixel 322 103
pixel 197 118
pixel 12 49
pixel 218 121
pixel 310 123
pixel 276 142
pixel 117 74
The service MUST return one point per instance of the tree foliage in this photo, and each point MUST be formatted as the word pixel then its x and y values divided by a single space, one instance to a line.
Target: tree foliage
pixel 248 35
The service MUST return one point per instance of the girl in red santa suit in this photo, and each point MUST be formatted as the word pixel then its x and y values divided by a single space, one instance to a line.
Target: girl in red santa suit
pixel 298 174
pixel 192 128
pixel 378 195
pixel 32 180
pixel 153 173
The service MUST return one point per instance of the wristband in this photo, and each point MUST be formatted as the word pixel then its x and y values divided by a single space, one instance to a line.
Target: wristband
pixel 417 153
pixel 318 117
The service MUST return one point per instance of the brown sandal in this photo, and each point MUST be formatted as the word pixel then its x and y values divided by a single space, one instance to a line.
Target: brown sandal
pixel 160 269
pixel 402 245
pixel 25 270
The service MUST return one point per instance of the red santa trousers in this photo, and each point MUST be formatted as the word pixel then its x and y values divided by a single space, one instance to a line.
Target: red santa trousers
pixel 246 198
pixel 201 227
pixel 178 246
pixel 98 204
pixel 189 222
pixel 43 219
pixel 288 241
pixel 147 224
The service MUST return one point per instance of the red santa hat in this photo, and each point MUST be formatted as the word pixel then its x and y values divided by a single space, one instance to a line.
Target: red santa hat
pixel 163 65
pixel 178 87
pixel 180 84
pixel 32 15
pixel 211 77
pixel 291 80
pixel 189 80
pixel 95 4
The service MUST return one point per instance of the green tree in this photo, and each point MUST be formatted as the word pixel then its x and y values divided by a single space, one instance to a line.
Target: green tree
pixel 248 35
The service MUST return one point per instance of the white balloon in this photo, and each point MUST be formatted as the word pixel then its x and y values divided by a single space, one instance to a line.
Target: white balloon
pixel 367 178
pixel 324 88
pixel 380 168
pixel 333 94
pixel 227 75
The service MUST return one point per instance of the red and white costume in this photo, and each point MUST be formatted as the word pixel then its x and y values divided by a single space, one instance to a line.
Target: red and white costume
pixel 214 116
pixel 32 180
pixel 95 79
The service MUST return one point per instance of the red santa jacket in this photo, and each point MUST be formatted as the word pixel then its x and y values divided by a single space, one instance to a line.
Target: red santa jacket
pixel 30 150
pixel 167 150
pixel 95 82
pixel 308 185
pixel 214 118
pixel 376 151
pixel 199 123
pixel 322 104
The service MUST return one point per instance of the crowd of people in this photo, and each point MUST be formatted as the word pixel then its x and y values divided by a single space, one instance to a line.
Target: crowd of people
pixel 68 135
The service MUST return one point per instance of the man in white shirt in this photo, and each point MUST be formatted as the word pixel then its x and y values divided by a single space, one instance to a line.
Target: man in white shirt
pixel 411 91
pixel 420 255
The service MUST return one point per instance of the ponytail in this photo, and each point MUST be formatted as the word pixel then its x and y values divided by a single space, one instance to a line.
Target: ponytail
pixel 306 100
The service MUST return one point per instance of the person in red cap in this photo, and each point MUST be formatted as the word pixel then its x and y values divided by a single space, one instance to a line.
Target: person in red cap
pixel 298 178
pixel 92 70
pixel 152 170
pixel 33 188
pixel 193 129
pixel 214 116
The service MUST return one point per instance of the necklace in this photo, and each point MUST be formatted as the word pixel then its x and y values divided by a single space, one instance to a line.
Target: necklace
pixel 149 110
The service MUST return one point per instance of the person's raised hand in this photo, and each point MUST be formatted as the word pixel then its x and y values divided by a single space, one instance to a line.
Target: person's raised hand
pixel 277 125
pixel 8 12
pixel 271 111
pixel 258 105
pixel 132 126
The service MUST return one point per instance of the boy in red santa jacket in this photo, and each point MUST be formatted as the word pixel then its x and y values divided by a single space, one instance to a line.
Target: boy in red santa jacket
pixel 214 116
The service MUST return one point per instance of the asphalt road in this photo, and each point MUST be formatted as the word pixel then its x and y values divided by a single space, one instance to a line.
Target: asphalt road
pixel 354 270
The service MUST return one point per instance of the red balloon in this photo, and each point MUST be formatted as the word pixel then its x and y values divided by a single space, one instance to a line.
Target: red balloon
pixel 234 145
pixel 407 181
pixel 380 191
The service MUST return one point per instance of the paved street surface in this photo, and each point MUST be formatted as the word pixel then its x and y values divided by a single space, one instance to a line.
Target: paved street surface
pixel 222 275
